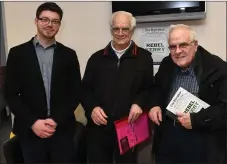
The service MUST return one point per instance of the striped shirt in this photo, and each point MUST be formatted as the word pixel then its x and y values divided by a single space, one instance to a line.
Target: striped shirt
pixel 185 79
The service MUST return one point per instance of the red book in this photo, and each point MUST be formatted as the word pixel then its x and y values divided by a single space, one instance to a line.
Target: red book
pixel 131 134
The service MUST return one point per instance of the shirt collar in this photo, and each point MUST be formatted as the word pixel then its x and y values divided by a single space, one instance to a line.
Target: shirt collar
pixel 120 51
pixel 187 71
pixel 133 49
pixel 37 43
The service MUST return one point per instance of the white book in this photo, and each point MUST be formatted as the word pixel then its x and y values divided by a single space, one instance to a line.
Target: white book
pixel 184 102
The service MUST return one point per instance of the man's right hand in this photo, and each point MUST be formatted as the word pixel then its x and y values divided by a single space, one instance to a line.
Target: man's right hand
pixel 41 130
pixel 51 123
pixel 155 114
pixel 98 116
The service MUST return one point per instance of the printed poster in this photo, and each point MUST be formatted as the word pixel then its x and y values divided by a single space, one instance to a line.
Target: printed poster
pixel 155 40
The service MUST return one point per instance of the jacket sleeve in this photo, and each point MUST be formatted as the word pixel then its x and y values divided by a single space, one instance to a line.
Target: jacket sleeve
pixel 13 86
pixel 88 100
pixel 71 101
pixel 143 96
pixel 214 117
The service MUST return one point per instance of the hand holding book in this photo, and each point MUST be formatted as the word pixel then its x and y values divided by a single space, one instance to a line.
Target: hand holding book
pixel 185 102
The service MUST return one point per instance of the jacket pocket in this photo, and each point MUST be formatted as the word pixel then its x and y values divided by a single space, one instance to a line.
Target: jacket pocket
pixel 209 91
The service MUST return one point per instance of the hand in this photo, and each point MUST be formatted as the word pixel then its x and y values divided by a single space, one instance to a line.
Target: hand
pixel 135 112
pixel 185 120
pixel 51 123
pixel 98 116
pixel 41 130
pixel 155 115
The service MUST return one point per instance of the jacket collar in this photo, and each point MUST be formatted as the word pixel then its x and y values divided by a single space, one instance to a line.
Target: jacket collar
pixel 31 41
pixel 131 51
pixel 206 66
pixel 37 43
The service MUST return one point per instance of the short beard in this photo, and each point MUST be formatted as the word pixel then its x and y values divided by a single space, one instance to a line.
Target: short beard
pixel 46 37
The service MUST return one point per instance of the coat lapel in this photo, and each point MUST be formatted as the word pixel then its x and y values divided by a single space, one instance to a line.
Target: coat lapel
pixel 35 64
pixel 169 76
pixel 55 67
pixel 205 72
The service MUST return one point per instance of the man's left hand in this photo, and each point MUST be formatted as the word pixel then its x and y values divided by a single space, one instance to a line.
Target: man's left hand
pixel 135 112
pixel 185 120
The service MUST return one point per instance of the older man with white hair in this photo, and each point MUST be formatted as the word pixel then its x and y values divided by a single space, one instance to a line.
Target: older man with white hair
pixel 116 84
pixel 190 137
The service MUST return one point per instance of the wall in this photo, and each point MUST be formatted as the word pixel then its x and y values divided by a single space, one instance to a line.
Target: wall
pixel 2 36
pixel 211 32
pixel 85 29
pixel 85 26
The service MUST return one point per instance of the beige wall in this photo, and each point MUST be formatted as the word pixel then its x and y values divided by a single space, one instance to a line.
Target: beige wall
pixel 211 32
pixel 85 26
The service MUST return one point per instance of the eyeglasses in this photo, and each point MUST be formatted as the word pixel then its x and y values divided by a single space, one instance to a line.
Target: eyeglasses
pixel 181 46
pixel 117 30
pixel 46 21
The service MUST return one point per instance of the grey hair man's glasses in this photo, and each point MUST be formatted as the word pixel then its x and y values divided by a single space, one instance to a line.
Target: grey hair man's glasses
pixel 181 46
pixel 117 30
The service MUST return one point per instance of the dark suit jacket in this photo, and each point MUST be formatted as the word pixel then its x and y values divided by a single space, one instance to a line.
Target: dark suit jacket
pixel 25 92
pixel 211 73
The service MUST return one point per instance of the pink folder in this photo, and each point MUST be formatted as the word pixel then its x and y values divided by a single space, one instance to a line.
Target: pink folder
pixel 131 134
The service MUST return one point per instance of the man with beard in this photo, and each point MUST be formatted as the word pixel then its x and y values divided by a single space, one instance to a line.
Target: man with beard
pixel 42 91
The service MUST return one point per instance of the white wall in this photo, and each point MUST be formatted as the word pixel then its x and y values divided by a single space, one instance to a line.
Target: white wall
pixel 85 26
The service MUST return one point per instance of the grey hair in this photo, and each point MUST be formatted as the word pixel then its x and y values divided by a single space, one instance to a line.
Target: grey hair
pixel 132 19
pixel 183 26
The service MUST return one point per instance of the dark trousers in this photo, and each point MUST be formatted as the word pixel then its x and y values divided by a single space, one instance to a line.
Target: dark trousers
pixel 102 147
pixel 180 145
pixel 56 149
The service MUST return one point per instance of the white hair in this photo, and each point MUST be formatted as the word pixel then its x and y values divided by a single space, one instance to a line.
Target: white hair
pixel 132 19
pixel 183 26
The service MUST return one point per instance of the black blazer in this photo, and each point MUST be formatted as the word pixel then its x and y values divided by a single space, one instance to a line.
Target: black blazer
pixel 211 73
pixel 25 92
